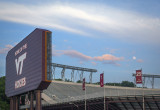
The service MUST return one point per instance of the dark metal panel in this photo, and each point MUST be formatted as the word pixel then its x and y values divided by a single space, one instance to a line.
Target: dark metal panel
pixel 27 57
pixel 123 104
pixel 138 102
pixel 147 104
pixel 131 104
pixel 156 103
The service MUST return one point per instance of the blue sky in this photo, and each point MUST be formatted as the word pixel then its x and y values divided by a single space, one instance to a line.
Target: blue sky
pixel 116 37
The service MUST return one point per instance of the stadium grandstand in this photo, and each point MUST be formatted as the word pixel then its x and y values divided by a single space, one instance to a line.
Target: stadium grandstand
pixel 62 95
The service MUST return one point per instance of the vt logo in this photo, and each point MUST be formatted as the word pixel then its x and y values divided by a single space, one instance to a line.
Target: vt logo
pixel 19 63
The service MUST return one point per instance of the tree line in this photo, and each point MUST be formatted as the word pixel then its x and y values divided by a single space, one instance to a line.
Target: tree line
pixel 123 83
pixel 4 101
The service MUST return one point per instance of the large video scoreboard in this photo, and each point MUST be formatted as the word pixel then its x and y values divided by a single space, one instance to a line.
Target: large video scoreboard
pixel 28 64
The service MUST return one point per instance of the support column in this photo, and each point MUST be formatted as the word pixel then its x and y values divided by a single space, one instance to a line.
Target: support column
pixel 152 82
pixel 31 101
pixel 11 103
pixel 72 75
pixel 135 81
pixel 63 74
pixel 143 84
pixel 81 75
pixel 16 103
pixel 53 73
pixel 38 100
pixel 90 78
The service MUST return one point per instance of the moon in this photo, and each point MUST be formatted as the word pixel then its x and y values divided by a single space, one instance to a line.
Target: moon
pixel 134 58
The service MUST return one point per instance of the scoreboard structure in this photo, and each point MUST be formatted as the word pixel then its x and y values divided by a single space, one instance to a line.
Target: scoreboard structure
pixel 28 66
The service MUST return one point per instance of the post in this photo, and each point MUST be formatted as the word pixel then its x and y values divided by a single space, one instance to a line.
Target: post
pixel 153 82
pixel 85 98
pixel 102 85
pixel 143 100
pixel 135 82
pixel 104 93
pixel 11 103
pixel 90 78
pixel 104 99
pixel 31 101
pixel 38 100
pixel 107 106
pixel 84 88
pixel 14 107
pixel 16 103
pixel 143 82
pixel 143 91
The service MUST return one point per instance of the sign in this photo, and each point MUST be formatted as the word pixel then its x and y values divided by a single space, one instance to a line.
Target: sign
pixel 138 76
pixel 28 64
pixel 20 83
pixel 101 80
pixel 83 84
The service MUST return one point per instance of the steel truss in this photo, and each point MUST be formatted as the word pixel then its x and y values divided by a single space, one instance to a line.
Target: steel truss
pixel 147 76
pixel 73 68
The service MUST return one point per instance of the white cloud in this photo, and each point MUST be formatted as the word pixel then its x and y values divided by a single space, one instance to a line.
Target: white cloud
pixel 6 49
pixel 140 61
pixel 86 20
pixel 107 57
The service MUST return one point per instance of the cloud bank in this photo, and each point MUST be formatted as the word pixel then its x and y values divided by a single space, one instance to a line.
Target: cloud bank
pixel 105 59
pixel 86 20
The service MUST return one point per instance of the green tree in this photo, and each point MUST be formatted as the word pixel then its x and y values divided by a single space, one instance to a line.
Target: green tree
pixel 127 84
pixel 79 81
pixel 4 101
pixel 113 84
pixel 97 83
pixel 123 83
pixel 58 79
pixel 67 80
